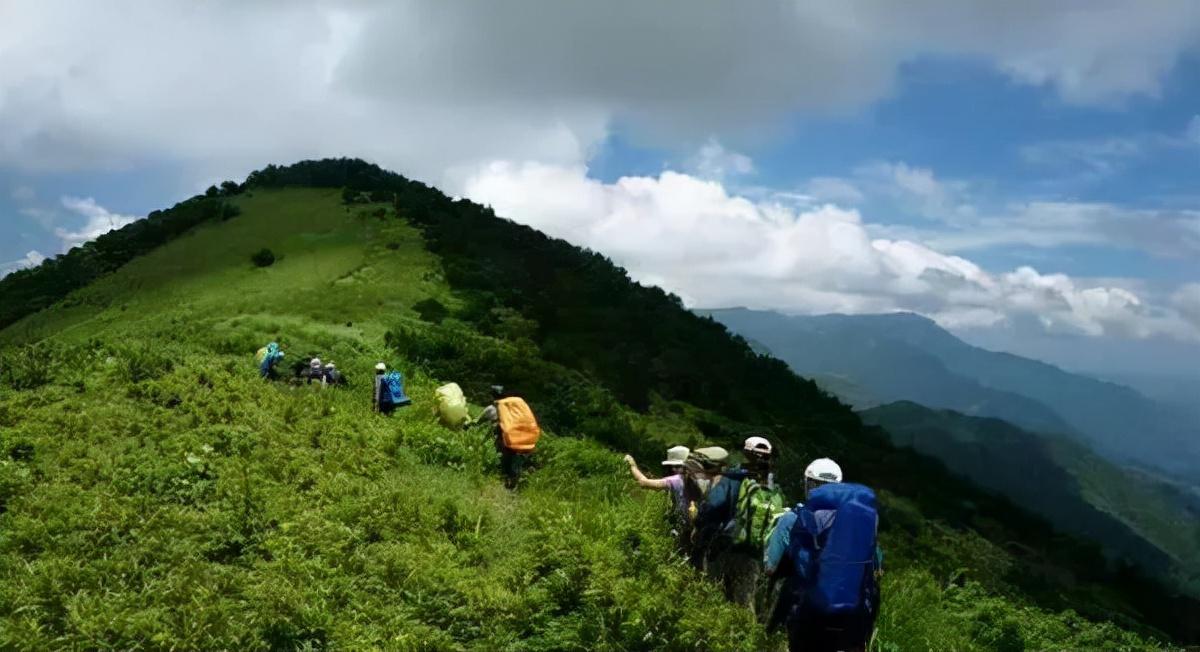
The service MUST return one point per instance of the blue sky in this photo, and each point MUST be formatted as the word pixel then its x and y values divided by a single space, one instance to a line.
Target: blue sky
pixel 1025 174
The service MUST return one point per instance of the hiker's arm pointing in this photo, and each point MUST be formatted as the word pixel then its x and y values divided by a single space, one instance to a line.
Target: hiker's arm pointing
pixel 642 480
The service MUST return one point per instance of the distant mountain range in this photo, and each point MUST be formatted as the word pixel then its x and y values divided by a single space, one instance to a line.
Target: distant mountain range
pixel 1132 515
pixel 870 360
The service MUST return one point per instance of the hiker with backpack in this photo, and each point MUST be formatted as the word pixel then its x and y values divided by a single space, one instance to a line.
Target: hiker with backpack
pixel 516 433
pixel 333 376
pixel 737 517
pixel 389 390
pixel 315 373
pixel 673 483
pixel 268 358
pixel 827 553
pixel 703 470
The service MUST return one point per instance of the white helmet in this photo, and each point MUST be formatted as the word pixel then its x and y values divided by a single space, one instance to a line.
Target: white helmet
pixel 380 367
pixel 823 470
pixel 315 362
pixel 757 444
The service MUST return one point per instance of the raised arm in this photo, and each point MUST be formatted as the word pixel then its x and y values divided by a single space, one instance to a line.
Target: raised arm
pixel 642 480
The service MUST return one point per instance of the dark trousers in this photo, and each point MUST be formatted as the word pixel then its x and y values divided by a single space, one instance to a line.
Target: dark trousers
pixel 511 462
pixel 810 632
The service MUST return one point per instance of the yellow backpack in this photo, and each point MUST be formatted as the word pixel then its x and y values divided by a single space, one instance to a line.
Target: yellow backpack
pixel 451 406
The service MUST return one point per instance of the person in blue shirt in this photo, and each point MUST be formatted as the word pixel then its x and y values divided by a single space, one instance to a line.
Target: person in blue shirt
pixel 776 565
pixel 703 479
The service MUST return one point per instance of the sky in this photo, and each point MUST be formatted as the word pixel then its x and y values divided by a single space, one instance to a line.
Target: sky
pixel 1025 173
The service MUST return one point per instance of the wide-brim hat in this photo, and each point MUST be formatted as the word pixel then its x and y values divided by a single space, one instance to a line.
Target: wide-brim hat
pixel 709 459
pixel 676 456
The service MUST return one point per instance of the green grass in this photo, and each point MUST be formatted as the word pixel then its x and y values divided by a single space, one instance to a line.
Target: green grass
pixel 157 495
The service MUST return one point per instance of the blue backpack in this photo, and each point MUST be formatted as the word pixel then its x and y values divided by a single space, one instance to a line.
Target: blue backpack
pixel 268 357
pixel 835 566
pixel 391 390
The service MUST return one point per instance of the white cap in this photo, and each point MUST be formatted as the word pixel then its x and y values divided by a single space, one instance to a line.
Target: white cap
pixel 380 367
pixel 676 456
pixel 757 444
pixel 824 470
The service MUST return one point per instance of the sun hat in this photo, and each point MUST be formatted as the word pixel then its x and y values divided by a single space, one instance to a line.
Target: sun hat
pixel 709 459
pixel 676 456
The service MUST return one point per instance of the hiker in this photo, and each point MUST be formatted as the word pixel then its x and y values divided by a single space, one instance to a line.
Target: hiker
pixel 738 514
pixel 776 565
pixel 268 358
pixel 827 550
pixel 703 471
pixel 380 370
pixel 759 460
pixel 516 433
pixel 389 390
pixel 315 372
pixel 333 376
pixel 674 482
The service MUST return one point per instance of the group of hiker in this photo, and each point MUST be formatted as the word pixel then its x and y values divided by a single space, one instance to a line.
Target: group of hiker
pixel 813 568
pixel 514 428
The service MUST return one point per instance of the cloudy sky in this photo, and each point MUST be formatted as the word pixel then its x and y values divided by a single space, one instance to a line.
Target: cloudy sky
pixel 1026 173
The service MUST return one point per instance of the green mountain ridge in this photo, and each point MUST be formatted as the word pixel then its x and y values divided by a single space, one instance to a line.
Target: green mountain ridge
pixel 1133 515
pixel 904 356
pixel 154 493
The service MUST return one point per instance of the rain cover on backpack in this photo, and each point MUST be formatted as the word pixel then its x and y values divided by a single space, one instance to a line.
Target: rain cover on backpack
pixel 391 390
pixel 518 428
pixel 451 405
pixel 836 566
pixel 267 357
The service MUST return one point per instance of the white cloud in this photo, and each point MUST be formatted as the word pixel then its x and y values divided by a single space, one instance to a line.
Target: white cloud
pixel 715 162
pixel 716 249
pixel 431 87
pixel 31 259
pixel 833 189
pixel 99 221
pixel 1099 158
pixel 1165 233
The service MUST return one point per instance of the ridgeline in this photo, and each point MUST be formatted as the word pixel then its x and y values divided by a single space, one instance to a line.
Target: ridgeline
pixel 155 493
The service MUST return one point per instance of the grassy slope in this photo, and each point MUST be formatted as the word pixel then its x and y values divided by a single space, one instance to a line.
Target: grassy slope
pixel 157 494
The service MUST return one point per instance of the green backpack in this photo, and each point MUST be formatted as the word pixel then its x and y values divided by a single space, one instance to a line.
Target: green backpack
pixel 757 509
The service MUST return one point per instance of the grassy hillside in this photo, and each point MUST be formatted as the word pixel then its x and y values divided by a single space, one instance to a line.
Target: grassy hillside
pixel 156 494
pixel 1135 516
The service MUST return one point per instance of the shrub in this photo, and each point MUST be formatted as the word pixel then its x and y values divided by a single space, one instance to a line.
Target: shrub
pixel 27 367
pixel 431 310
pixel 263 258
pixel 141 363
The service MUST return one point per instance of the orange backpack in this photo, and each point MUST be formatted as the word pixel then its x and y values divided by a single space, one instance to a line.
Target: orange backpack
pixel 518 428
